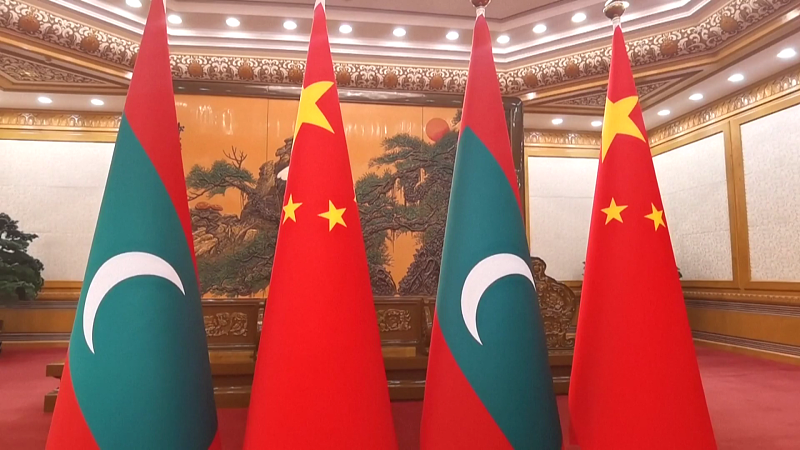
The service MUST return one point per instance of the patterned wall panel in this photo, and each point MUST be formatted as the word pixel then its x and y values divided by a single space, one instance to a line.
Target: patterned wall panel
pixel 54 189
pixel 772 183
pixel 560 194
pixel 694 190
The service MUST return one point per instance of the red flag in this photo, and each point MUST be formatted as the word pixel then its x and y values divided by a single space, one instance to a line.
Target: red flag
pixel 320 382
pixel 635 382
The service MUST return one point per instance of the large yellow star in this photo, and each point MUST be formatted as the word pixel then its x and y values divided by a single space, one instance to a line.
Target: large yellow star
pixel 334 216
pixel 614 211
pixel 308 111
pixel 289 209
pixel 657 217
pixel 617 120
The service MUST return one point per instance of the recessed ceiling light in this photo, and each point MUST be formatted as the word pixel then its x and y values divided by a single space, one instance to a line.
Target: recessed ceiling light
pixel 696 97
pixel 345 28
pixel 133 3
pixel 232 22
pixel 735 78
pixel 452 35
pixel 174 19
pixel 97 102
pixel 531 95
pixel 399 32
pixel 597 123
pixel 557 121
pixel 45 100
pixel 626 5
pixel 664 112
pixel 787 53
pixel 539 29
pixel 503 39
pixel 289 25
pixel 579 17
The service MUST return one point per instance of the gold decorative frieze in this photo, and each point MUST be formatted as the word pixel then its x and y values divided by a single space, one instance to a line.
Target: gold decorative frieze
pixel 56 30
pixel 568 138
pixel 728 22
pixel 21 70
pixel 598 99
pixel 59 121
pixel 394 320
pixel 226 324
pixel 755 95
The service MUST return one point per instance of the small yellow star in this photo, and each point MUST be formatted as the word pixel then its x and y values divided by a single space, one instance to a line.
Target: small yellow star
pixel 614 211
pixel 657 217
pixel 334 216
pixel 289 209
pixel 617 120
pixel 308 111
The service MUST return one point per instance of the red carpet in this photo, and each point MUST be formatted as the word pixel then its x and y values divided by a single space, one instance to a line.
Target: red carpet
pixel 753 403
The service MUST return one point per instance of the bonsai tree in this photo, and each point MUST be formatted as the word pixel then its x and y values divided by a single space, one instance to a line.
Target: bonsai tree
pixel 20 273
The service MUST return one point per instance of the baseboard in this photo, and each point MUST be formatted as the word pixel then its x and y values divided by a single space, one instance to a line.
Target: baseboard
pixel 749 347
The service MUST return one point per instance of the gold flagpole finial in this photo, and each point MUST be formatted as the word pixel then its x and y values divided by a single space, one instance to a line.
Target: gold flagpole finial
pixel 480 6
pixel 614 9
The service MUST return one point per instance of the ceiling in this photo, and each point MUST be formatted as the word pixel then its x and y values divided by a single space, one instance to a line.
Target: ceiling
pixel 73 51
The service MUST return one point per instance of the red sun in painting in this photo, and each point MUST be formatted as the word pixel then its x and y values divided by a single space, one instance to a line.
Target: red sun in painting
pixel 436 129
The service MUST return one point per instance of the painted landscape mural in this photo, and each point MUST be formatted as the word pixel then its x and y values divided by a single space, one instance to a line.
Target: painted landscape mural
pixel 236 154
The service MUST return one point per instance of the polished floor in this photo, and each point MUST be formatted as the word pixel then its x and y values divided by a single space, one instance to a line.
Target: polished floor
pixel 754 404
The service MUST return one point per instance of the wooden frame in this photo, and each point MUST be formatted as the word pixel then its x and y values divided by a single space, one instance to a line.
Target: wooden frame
pixel 689 138
pixel 741 201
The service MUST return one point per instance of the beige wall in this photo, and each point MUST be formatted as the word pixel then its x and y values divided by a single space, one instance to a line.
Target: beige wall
pixel 54 189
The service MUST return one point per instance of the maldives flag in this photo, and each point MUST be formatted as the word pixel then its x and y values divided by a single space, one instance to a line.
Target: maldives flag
pixel 489 384
pixel 137 374
pixel 319 379
pixel 635 382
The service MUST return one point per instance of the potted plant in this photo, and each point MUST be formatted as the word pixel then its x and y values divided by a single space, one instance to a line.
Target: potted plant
pixel 20 273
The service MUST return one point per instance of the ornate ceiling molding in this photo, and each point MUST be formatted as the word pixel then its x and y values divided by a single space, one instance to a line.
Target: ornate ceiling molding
pixel 45 120
pixel 780 85
pixel 710 34
pixel 563 138
pixel 24 71
pixel 597 99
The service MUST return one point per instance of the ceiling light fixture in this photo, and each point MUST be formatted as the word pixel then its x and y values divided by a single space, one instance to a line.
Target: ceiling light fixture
pixel 539 29
pixel 399 32
pixel 133 3
pixel 557 121
pixel 597 123
pixel 45 100
pixel 626 5
pixel 579 17
pixel 232 22
pixel 452 35
pixel 696 97
pixel 345 28
pixel 503 39
pixel 664 112
pixel 787 53
pixel 97 102
pixel 289 25
pixel 174 19
pixel 735 78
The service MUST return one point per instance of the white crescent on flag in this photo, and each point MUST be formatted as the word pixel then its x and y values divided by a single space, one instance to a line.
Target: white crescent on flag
pixel 116 270
pixel 482 275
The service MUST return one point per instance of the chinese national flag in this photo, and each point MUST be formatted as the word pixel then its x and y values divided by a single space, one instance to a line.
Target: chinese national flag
pixel 635 382
pixel 319 380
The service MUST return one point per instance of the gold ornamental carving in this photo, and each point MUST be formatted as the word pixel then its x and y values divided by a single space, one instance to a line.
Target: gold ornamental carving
pixel 24 71
pixel 226 324
pixel 558 305
pixel 583 139
pixel 394 320
pixel 714 31
pixel 780 85
pixel 59 121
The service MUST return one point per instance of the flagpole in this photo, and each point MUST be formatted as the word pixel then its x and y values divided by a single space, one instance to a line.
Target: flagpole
pixel 614 9
pixel 480 7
